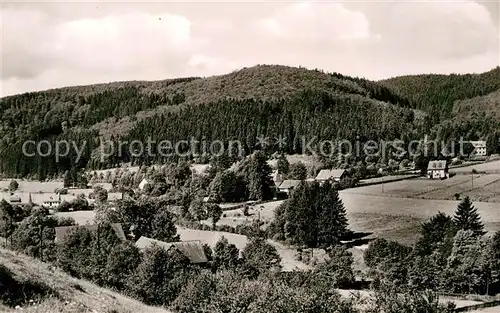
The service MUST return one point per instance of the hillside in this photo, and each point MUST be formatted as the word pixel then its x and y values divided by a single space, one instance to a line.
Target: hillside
pixel 475 118
pixel 437 93
pixel 265 100
pixel 24 279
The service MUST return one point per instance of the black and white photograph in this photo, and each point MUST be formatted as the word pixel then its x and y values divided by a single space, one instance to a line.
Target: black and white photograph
pixel 282 156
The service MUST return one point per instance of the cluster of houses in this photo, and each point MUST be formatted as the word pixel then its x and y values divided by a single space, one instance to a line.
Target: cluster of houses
pixel 285 186
pixel 53 199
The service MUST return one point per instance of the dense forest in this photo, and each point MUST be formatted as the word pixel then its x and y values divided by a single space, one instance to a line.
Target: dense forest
pixel 436 94
pixel 262 101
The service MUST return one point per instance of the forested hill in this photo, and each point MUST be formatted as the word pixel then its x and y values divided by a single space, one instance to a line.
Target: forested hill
pixel 436 94
pixel 261 101
pixel 475 118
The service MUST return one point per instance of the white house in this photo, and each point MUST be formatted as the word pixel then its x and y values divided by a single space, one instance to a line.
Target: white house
pixel 331 175
pixel 143 184
pixel 479 148
pixel 438 169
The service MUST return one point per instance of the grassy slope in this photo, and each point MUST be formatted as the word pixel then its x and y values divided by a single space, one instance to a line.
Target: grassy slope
pixel 73 295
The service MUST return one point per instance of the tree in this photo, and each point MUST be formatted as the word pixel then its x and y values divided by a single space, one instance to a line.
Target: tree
pixel 121 263
pixel 433 233
pixel 257 174
pixel 74 251
pixel 7 219
pixel 214 212
pixel 156 279
pixel 226 255
pixel 468 269
pixel 100 194
pixel 227 187
pixel 163 227
pixel 425 272
pixel 314 216
pixel 68 181
pixel 136 216
pixel 297 171
pixel 197 210
pixel 35 235
pixel 283 165
pixel 337 271
pixel 261 256
pixel 13 185
pixel 467 218
pixel 389 260
pixel 390 299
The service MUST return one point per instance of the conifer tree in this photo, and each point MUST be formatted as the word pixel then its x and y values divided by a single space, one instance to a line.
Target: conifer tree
pixel 467 218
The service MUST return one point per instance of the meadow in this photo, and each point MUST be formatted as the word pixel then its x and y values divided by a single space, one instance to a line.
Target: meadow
pixel 479 187
pixel 492 167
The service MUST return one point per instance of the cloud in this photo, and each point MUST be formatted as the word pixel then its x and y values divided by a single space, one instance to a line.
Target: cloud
pixel 54 44
pixel 442 29
pixel 127 46
pixel 316 21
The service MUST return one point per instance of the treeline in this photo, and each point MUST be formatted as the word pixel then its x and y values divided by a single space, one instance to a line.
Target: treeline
pixel 452 255
pixel 312 115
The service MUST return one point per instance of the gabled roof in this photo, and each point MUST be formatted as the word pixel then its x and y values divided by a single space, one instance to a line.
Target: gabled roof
pixel 329 174
pixel 62 231
pixel 478 143
pixel 437 165
pixel 289 183
pixel 193 250
pixel 143 183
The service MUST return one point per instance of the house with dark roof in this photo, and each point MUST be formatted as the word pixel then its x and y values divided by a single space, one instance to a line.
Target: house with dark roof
pixel 193 250
pixel 62 231
pixel 438 169
pixel 335 175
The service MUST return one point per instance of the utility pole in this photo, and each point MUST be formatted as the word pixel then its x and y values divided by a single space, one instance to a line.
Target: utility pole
pixel 472 179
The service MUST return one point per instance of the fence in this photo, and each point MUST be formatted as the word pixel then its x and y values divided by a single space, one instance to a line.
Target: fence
pixel 479 306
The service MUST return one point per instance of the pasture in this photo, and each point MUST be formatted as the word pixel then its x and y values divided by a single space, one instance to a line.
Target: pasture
pixel 479 187
pixel 492 167
pixel 32 186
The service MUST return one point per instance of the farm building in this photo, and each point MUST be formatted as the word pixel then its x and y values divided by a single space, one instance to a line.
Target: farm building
pixel 193 250
pixel 331 175
pixel 62 231
pixel 288 185
pixel 438 169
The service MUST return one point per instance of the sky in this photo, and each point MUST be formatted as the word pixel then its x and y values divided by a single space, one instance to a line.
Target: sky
pixel 54 44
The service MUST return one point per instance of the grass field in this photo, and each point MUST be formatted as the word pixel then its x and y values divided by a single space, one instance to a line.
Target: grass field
pixel 480 187
pixel 32 186
pixel 69 295
pixel 488 167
